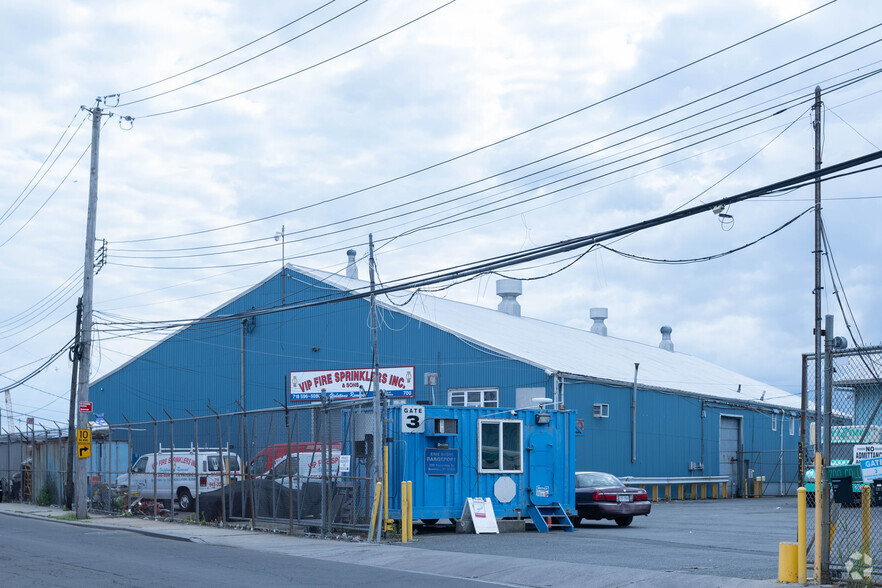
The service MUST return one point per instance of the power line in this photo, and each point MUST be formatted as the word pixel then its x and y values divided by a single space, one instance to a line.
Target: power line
pixel 707 257
pixel 508 260
pixel 21 197
pixel 285 77
pixel 531 129
pixel 227 54
pixel 208 77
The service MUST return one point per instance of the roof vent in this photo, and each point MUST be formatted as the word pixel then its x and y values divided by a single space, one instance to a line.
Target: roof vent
pixel 351 269
pixel 509 290
pixel 666 342
pixel 599 315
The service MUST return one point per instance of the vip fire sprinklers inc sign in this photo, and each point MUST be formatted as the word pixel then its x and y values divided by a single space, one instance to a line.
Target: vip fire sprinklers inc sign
pixel 398 382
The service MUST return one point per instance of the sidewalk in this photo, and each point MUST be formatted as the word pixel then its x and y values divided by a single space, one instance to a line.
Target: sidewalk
pixel 503 570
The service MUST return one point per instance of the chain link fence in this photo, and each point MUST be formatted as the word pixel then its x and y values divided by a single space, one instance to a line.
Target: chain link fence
pixel 855 462
pixel 307 467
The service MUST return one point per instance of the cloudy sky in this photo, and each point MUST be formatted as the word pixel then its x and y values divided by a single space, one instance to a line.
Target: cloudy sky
pixel 549 120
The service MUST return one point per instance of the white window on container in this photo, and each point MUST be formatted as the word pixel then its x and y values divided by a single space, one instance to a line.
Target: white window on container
pixel 601 411
pixel 792 425
pixel 473 397
pixel 500 444
pixel 774 422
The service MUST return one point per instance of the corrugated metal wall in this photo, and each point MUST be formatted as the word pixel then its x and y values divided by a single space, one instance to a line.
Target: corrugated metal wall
pixel 202 365
pixel 671 433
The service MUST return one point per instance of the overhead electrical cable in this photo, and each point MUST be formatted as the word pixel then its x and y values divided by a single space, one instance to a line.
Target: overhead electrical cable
pixel 526 131
pixel 499 262
pixel 706 257
pixel 35 306
pixel 779 108
pixel 51 194
pixel 305 69
pixel 208 77
pixel 227 54
pixel 18 203
pixel 25 192
pixel 35 372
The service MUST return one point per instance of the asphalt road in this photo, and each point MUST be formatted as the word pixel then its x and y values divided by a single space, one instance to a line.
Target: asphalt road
pixel 46 553
pixel 735 538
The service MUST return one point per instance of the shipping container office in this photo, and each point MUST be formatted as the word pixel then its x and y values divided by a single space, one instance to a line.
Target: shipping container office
pixel 517 458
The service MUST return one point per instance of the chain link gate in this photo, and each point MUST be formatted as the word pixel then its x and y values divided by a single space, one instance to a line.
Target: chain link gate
pixel 856 436
pixel 304 466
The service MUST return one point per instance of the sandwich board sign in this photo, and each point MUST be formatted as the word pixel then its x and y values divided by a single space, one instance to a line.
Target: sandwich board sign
pixel 480 512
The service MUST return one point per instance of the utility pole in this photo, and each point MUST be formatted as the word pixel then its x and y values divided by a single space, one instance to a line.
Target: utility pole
pixel 81 482
pixel 822 511
pixel 377 470
pixel 71 425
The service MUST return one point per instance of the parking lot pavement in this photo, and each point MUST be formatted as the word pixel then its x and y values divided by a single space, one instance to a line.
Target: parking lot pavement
pixel 711 543
pixel 736 538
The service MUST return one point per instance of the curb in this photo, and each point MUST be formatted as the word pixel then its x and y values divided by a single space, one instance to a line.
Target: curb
pixel 101 526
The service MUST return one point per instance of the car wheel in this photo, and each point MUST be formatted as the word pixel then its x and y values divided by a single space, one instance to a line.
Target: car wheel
pixel 624 521
pixel 429 522
pixel 576 520
pixel 185 501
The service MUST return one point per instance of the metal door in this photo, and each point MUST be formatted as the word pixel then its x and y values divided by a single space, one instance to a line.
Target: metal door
pixel 730 441
pixel 540 473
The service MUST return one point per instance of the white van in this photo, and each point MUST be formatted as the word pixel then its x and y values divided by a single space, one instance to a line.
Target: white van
pixel 307 466
pixel 151 476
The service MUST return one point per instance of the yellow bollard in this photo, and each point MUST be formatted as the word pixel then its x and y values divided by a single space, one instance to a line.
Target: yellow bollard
pixel 694 491
pixel 787 571
pixel 410 510
pixel 680 491
pixel 667 491
pixel 703 491
pixel 374 510
pixel 655 492
pixel 387 522
pixel 404 512
pixel 800 537
pixel 865 519
pixel 714 491
pixel 725 490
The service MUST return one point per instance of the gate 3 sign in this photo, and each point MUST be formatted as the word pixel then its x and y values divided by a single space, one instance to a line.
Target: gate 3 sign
pixel 397 382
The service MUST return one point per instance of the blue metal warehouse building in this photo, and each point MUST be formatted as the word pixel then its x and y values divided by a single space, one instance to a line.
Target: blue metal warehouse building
pixel 692 418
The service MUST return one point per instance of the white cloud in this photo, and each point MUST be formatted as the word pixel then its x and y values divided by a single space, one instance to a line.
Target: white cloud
pixel 469 75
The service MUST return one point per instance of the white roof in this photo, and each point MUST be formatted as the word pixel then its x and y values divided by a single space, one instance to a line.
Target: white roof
pixel 574 352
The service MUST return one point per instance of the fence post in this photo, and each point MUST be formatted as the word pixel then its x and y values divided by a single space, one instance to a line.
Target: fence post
pixel 128 463
pixel 288 467
pixel 326 453
pixel 155 459
pixel 196 457
pixel 246 442
pixel 171 469
pixel 220 458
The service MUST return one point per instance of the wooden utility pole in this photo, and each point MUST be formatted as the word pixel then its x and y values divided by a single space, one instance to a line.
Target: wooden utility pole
pixel 81 483
pixel 377 470
pixel 71 423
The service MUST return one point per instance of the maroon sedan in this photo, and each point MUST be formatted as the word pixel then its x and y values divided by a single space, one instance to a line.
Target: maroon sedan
pixel 603 496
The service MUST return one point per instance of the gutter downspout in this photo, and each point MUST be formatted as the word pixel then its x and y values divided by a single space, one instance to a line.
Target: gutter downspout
pixel 634 416
pixel 781 457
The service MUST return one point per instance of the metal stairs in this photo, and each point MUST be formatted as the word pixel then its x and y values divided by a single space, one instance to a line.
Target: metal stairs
pixel 552 516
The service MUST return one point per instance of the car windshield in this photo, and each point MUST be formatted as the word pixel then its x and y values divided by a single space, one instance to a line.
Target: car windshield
pixel 592 479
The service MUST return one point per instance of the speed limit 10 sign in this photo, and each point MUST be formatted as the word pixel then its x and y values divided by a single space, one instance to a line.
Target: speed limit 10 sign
pixel 413 418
